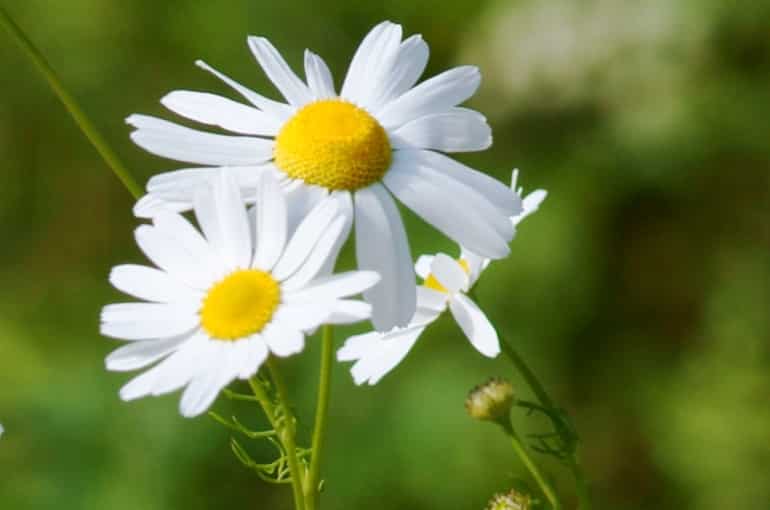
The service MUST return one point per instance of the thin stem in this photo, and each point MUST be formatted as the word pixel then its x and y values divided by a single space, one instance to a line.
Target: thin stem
pixel 81 119
pixel 521 451
pixel 287 433
pixel 312 481
pixel 583 489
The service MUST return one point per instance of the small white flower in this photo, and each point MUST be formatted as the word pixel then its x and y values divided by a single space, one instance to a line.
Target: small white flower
pixel 381 136
pixel 220 303
pixel 445 284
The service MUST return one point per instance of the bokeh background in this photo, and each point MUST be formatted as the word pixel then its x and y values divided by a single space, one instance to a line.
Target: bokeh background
pixel 639 293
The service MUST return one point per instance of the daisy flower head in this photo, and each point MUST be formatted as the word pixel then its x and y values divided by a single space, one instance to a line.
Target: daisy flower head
pixel 222 300
pixel 381 135
pixel 446 282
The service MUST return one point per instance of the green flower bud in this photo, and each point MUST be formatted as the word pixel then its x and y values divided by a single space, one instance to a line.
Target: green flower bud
pixel 490 401
pixel 510 501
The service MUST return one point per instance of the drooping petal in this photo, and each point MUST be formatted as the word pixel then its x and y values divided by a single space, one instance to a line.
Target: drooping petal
pixel 173 141
pixel 319 78
pixel 278 110
pixel 291 87
pixel 475 325
pixel 458 130
pixel 382 246
pixel 435 95
pixel 219 111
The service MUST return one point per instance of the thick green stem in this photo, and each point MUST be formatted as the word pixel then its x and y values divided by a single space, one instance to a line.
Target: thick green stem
pixel 287 433
pixel 312 488
pixel 521 451
pixel 83 122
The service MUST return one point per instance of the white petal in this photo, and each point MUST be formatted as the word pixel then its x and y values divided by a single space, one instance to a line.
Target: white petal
pixel 422 266
pixel 305 238
pixel 140 354
pixel 271 223
pixel 283 339
pixel 304 316
pixel 492 189
pixel 278 110
pixel 319 78
pixel 531 203
pixel 220 111
pixel 139 321
pixel 203 390
pixel 458 130
pixel 318 257
pixel 349 311
pixel 333 287
pixel 175 226
pixel 382 246
pixel 449 273
pixel 236 240
pixel 173 141
pixel 151 284
pixel 409 65
pixel 435 95
pixel 373 57
pixel 476 264
pixel 166 253
pixel 430 299
pixel 457 210
pixel 293 89
pixel 345 202
pixel 255 355
pixel 376 354
pixel 301 198
pixel 150 205
pixel 373 66
pixel 475 325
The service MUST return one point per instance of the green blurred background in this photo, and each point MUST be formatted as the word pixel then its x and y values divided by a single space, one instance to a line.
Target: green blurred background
pixel 639 293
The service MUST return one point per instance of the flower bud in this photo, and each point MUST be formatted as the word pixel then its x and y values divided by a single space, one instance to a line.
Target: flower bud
pixel 512 500
pixel 490 401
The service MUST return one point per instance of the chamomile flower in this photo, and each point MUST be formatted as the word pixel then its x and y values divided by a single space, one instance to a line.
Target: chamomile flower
pixel 381 136
pixel 446 282
pixel 218 304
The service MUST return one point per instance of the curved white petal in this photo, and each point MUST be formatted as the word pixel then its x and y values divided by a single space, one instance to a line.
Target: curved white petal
pixel 530 204
pixel 376 354
pixel 457 210
pixel 166 253
pixel 283 339
pixel 476 264
pixel 409 65
pixel 278 110
pixel 150 205
pixel 349 311
pixel 176 227
pixel 304 316
pixel 334 287
pixel 255 354
pixel 475 325
pixel 219 111
pixel 422 266
pixel 139 321
pixel 371 63
pixel 382 246
pixel 293 89
pixel 205 387
pixel 319 78
pixel 151 284
pixel 458 130
pixel 173 141
pixel 271 223
pixel 449 273
pixel 140 354
pixel 345 203
pixel 305 238
pixel 435 95
pixel 318 258
pixel 301 198
pixel 429 299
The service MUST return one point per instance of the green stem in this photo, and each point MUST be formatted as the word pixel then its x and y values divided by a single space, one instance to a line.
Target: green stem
pixel 312 482
pixel 287 432
pixel 83 122
pixel 529 376
pixel 521 451
pixel 583 489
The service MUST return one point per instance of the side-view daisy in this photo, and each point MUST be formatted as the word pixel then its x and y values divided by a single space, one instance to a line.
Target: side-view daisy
pixel 446 282
pixel 219 304
pixel 381 135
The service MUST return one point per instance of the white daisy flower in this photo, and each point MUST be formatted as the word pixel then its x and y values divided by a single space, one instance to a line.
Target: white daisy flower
pixel 445 284
pixel 220 303
pixel 380 136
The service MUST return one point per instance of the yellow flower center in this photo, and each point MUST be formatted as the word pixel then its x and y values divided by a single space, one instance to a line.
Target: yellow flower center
pixel 240 305
pixel 334 144
pixel 432 282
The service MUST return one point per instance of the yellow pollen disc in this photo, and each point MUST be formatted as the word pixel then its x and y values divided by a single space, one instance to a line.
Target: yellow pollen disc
pixel 240 305
pixel 334 144
pixel 432 283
